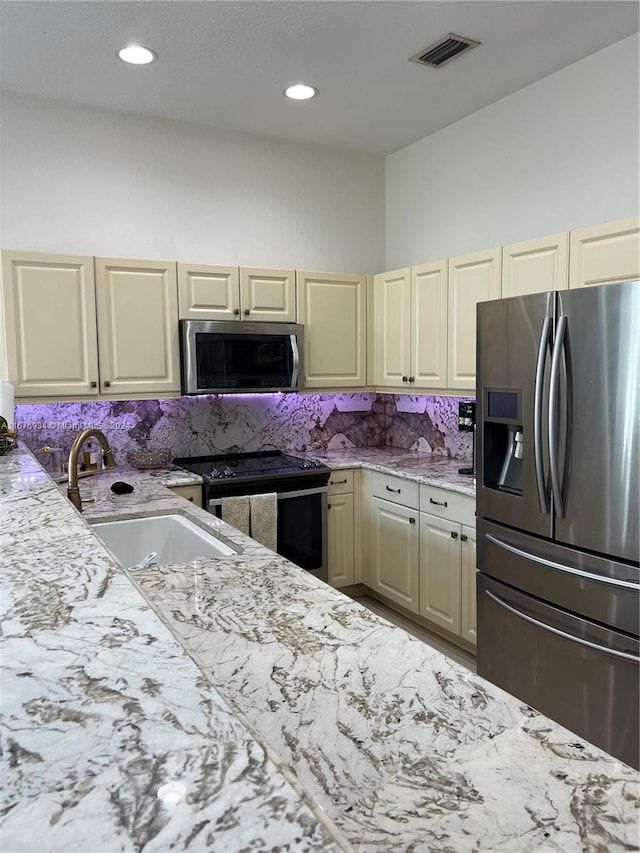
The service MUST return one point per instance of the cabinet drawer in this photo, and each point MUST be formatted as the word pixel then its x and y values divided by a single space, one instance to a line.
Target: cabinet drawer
pixel 341 482
pixel 449 505
pixel 396 489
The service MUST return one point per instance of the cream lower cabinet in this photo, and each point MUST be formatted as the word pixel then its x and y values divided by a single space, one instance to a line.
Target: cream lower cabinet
pixel 605 254
pixel 333 309
pixel 137 310
pixel 50 324
pixel 193 494
pixel 410 322
pixel 392 548
pixel 209 292
pixel 447 561
pixel 340 520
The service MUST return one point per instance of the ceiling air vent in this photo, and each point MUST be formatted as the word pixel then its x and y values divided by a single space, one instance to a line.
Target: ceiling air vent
pixel 444 50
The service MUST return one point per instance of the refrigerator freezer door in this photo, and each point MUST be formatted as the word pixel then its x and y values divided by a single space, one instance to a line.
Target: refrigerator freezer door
pixel 604 590
pixel 600 474
pixel 582 675
pixel 514 338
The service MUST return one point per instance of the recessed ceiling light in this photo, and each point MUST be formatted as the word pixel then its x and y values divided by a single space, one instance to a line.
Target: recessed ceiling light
pixel 136 54
pixel 300 92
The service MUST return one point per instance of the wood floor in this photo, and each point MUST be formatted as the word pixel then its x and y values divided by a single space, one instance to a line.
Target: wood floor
pixel 459 655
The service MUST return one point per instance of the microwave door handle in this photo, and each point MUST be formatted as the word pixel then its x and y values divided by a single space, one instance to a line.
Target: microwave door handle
pixel 543 347
pixel 554 417
pixel 296 361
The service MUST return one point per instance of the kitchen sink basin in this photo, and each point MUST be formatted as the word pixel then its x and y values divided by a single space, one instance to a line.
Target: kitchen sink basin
pixel 158 540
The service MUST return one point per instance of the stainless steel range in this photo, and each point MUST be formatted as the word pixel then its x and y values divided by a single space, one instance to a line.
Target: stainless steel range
pixel 301 487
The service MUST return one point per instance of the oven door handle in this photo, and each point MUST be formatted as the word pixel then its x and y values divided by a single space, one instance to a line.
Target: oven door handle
pixel 302 493
pixel 297 493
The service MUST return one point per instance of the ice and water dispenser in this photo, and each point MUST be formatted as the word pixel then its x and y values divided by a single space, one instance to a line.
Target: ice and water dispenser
pixel 503 440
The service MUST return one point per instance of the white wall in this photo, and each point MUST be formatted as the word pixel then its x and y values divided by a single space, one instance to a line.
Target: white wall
pixel 560 154
pixel 84 180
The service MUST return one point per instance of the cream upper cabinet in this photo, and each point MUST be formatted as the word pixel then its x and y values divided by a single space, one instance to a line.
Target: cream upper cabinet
pixel 268 294
pixel 429 326
pixel 605 254
pixel 536 266
pixel 333 309
pixel 50 324
pixel 137 309
pixel 472 278
pixel 392 324
pixel 411 327
pixel 208 292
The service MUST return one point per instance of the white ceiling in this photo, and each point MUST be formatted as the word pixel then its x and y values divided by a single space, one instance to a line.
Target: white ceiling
pixel 225 64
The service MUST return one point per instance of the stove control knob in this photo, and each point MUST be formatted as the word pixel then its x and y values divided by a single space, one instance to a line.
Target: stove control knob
pixel 310 463
pixel 214 473
pixel 228 472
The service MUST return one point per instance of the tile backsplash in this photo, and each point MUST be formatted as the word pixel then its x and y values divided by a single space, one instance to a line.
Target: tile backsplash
pixel 194 426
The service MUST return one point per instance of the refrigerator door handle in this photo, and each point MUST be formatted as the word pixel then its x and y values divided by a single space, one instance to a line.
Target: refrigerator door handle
pixel 534 558
pixel 554 417
pixel 566 636
pixel 543 347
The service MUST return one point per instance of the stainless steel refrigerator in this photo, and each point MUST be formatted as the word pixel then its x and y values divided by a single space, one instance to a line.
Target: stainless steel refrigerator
pixel 558 477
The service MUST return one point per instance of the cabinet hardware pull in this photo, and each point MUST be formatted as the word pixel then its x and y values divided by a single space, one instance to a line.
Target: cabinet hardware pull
pixel 328 506
pixel 337 482
pixel 107 384
pixel 246 311
pixel 395 491
pixel 236 310
pixel 464 537
pixel 412 521
pixel 94 384
pixel 412 379
pixel 454 535
pixel 438 503
pixel 405 379
pixel 191 499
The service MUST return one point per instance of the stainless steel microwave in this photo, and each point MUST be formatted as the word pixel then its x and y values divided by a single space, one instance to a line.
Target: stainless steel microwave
pixel 221 357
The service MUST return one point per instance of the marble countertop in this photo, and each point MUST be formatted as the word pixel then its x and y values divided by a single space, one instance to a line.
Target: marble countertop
pixel 285 716
pixel 428 468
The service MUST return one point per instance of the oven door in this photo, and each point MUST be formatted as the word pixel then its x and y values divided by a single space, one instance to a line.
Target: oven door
pixel 302 527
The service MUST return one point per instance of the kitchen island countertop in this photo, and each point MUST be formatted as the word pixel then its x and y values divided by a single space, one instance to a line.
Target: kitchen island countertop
pixel 283 714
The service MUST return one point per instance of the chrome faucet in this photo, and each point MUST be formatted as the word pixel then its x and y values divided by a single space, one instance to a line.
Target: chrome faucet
pixel 73 492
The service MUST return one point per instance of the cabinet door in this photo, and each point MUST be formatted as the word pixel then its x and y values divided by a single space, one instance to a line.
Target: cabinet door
pixel 208 292
pixel 394 553
pixel 605 254
pixel 340 537
pixel 536 266
pixel 392 311
pixel 189 493
pixel 440 572
pixel 472 279
pixel 429 326
pixel 137 326
pixel 332 308
pixel 468 567
pixel 50 322
pixel 268 294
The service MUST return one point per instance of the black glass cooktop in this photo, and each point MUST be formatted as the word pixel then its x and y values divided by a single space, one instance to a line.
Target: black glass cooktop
pixel 262 464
